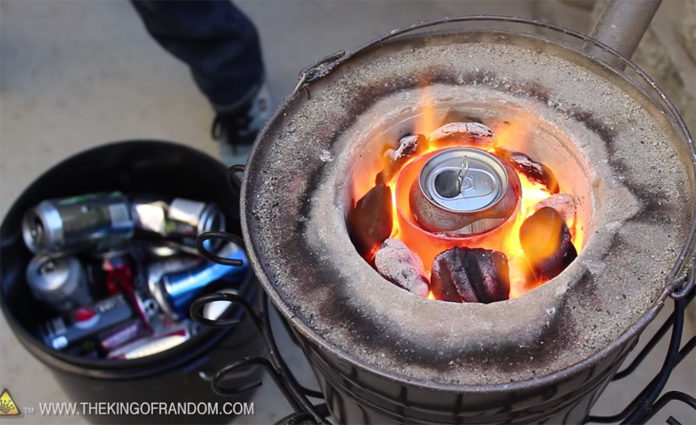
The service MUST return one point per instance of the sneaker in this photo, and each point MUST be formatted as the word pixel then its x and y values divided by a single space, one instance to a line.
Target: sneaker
pixel 238 128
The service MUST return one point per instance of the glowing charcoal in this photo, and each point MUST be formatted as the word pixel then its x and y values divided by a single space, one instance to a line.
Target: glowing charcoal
pixel 398 264
pixel 470 275
pixel 547 243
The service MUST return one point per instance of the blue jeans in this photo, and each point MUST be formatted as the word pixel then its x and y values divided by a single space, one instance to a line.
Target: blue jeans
pixel 215 39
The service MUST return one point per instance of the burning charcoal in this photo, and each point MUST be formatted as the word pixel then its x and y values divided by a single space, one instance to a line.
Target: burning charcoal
pixel 563 203
pixel 470 275
pixel 535 171
pixel 475 132
pixel 379 179
pixel 547 243
pixel 370 221
pixel 408 146
pixel 398 264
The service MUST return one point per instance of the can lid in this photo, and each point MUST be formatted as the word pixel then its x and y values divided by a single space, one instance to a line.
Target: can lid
pixel 48 274
pixel 463 180
pixel 42 227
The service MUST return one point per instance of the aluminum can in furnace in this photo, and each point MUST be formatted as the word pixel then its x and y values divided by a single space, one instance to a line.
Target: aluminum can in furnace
pixel 464 192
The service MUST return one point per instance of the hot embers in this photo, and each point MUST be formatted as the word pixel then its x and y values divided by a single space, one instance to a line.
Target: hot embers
pixel 547 243
pixel 401 266
pixel 370 222
pixel 470 275
pixel 534 170
pixel 481 215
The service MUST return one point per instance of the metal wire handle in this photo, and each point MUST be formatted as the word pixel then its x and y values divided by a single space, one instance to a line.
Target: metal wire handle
pixel 646 404
pixel 205 252
pixel 232 180
pixel 296 394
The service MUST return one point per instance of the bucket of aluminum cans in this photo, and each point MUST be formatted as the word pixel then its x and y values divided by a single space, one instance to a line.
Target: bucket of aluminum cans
pixel 99 266
pixel 121 271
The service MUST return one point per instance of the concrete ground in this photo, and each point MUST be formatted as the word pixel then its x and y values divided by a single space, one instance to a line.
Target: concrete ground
pixel 75 74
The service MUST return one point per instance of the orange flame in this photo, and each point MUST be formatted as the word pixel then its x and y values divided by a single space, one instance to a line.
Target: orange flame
pixel 425 122
pixel 513 133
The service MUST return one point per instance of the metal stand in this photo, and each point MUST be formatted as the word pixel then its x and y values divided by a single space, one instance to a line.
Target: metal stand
pixel 296 394
pixel 273 363
pixel 645 405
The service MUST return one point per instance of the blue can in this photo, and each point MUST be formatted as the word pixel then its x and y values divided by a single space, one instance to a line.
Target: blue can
pixel 176 284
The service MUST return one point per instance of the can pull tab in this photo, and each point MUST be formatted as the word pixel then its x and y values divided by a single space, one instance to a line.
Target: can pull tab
pixel 450 183
pixel 461 175
pixel 463 184
pixel 478 185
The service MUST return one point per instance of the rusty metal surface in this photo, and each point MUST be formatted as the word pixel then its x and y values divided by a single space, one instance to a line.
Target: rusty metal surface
pixel 641 201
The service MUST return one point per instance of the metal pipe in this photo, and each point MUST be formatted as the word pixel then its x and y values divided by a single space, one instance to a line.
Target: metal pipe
pixel 621 26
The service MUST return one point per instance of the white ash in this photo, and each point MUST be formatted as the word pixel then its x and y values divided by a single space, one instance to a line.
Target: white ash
pixel 408 145
pixel 325 156
pixel 398 264
pixel 563 203
pixel 457 130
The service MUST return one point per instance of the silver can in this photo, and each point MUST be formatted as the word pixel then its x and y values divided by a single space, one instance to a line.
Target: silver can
pixel 176 283
pixel 100 219
pixel 201 216
pixel 182 219
pixel 163 340
pixel 463 192
pixel 58 282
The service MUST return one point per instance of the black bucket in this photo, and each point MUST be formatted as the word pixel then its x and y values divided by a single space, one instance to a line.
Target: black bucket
pixel 181 374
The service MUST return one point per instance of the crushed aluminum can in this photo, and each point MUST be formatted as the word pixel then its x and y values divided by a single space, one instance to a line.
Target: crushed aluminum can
pixel 154 344
pixel 58 282
pixel 175 290
pixel 199 215
pixel 87 322
pixel 57 225
pixel 123 334
pixel 110 272
pixel 180 220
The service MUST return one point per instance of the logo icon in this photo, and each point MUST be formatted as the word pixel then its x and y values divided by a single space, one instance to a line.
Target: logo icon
pixel 8 407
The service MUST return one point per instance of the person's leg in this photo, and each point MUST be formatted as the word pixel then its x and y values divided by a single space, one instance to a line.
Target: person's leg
pixel 215 39
pixel 221 47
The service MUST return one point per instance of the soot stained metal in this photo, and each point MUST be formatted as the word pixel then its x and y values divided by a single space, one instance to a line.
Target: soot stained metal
pixel 542 356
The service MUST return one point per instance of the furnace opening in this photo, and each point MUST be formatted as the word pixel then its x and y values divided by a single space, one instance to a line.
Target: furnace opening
pixel 467 210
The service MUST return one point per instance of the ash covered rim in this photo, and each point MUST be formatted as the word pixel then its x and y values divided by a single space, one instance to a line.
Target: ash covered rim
pixel 266 158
